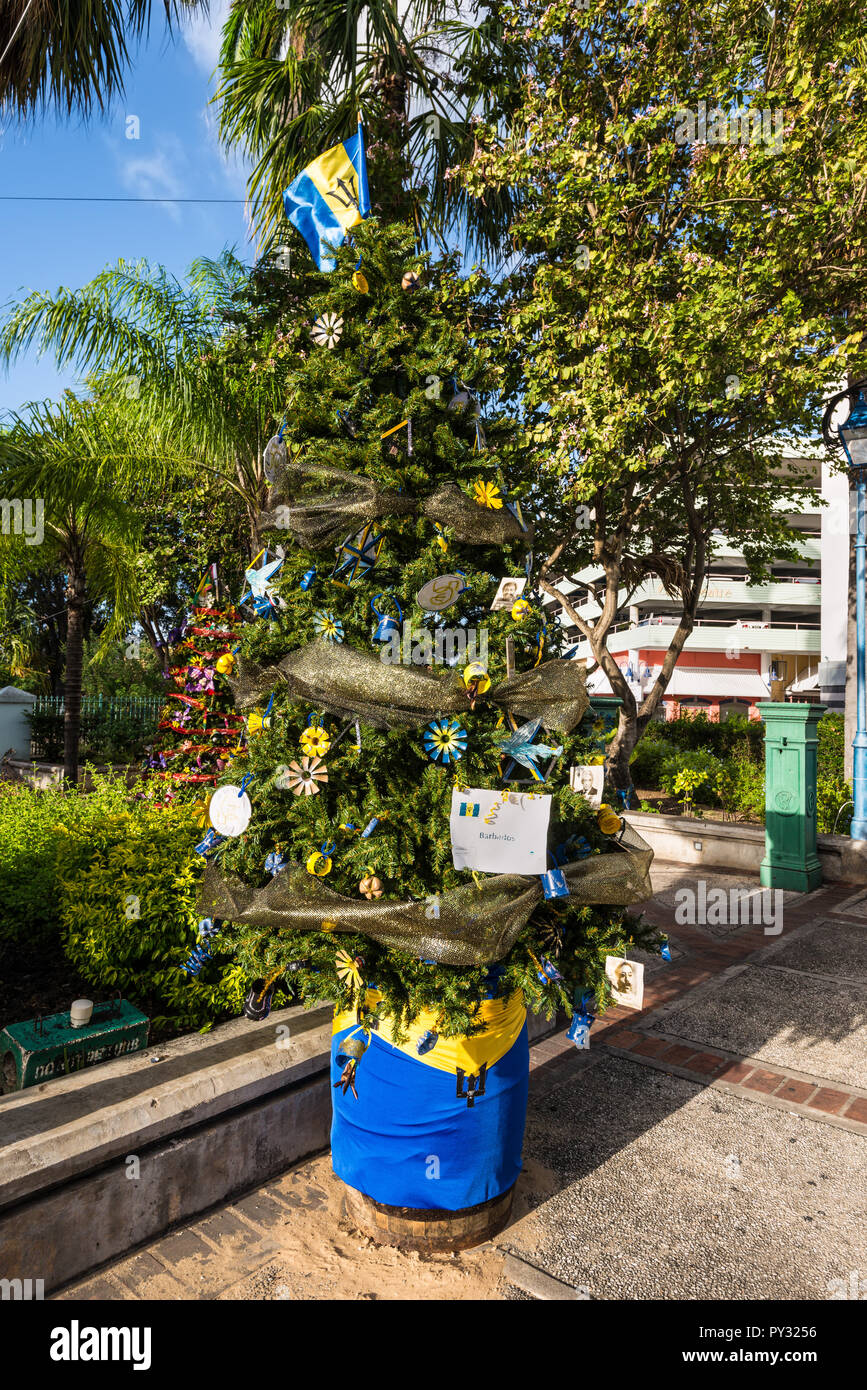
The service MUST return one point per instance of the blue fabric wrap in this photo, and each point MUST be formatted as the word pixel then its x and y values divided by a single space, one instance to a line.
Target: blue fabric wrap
pixel 407 1114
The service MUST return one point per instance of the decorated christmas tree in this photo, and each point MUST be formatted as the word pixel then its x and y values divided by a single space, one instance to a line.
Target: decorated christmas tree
pixel 402 837
pixel 199 728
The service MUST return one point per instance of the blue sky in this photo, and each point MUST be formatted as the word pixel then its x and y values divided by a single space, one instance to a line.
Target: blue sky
pixel 45 245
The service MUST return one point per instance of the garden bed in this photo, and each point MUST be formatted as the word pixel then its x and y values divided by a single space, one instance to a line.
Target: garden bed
pixel 695 767
pixel 655 802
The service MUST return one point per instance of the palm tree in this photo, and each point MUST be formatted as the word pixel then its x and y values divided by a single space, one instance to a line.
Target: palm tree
pixel 86 460
pixel 71 55
pixel 296 77
pixel 163 347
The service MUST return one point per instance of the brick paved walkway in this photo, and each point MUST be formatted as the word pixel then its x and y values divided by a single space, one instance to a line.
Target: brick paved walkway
pixel 703 960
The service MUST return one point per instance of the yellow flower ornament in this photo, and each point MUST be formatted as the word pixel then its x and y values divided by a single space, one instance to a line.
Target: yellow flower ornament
pixel 315 741
pixel 487 495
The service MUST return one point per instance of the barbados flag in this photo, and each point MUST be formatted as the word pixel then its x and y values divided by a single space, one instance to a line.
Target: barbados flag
pixel 329 197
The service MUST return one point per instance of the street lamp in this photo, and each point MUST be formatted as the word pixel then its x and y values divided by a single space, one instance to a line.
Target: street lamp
pixel 852 435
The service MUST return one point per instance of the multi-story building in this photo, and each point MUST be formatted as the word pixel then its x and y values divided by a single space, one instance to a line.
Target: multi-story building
pixel 746 634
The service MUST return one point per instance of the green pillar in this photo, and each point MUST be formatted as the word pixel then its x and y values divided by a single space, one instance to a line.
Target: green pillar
pixel 791 746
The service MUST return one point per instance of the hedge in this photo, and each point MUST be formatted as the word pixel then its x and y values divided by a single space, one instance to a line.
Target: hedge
pixel 128 889
pixel 29 825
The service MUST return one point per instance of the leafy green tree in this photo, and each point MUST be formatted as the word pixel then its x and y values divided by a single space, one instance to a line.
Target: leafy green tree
pixel 70 57
pixel 80 465
pixel 691 244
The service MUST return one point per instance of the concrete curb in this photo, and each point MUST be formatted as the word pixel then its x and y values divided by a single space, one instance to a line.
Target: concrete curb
pixel 60 1130
pixel 691 840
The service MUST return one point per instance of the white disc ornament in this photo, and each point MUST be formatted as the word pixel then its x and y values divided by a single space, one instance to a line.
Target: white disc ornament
pixel 274 459
pixel 441 592
pixel 326 330
pixel 229 811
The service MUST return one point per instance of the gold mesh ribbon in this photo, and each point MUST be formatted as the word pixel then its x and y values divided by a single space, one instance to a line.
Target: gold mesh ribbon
pixel 339 678
pixel 476 924
pixel 319 519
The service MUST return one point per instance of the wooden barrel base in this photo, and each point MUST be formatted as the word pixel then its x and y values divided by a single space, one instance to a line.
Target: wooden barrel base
pixel 414 1229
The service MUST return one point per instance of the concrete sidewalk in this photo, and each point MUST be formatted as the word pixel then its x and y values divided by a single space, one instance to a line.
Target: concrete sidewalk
pixel 712 1146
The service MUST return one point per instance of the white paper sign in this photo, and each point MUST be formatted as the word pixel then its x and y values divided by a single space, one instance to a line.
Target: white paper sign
pixel 500 832
pixel 229 811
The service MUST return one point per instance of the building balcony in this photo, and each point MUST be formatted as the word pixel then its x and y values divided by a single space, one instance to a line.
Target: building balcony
pixel 731 589
pixel 711 635
pixel 727 590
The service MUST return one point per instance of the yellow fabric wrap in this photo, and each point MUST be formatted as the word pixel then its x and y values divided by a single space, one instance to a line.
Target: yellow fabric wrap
pixel 504 1019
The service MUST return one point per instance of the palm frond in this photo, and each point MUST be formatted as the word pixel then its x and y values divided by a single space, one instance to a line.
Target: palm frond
pixel 70 55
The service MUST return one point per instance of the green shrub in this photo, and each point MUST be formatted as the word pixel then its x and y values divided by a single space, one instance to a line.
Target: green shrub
pixel 831 733
pixel 648 759
pixel 140 860
pixel 832 794
pixel 686 772
pixel 736 734
pixel 673 756
pixel 740 787
pixel 29 825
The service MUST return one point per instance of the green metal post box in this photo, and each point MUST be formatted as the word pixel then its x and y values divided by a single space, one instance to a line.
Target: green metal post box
pixel 44 1048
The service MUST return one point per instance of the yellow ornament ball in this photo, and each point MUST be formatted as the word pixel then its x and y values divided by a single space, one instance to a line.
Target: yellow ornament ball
pixel 359 282
pixel 520 609
pixel 225 664
pixel 608 821
pixel 476 674
pixel 318 864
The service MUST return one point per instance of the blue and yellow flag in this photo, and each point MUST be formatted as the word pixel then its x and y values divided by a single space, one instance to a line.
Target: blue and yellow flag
pixel 329 197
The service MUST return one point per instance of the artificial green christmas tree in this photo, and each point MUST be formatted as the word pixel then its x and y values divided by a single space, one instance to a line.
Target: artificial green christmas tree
pixel 407 686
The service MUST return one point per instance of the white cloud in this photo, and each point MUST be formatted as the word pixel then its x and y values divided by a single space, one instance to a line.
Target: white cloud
pixel 156 175
pixel 202 35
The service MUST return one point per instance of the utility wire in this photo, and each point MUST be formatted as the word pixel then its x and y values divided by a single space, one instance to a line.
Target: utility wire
pixel 84 198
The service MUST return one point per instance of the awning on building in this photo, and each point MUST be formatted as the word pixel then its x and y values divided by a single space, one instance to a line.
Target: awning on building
pixel 808 682
pixel 696 682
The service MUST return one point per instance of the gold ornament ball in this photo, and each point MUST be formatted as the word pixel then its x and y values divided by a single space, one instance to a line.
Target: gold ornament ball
pixel 520 609
pixel 359 282
pixel 225 664
pixel 370 888
pixel 411 280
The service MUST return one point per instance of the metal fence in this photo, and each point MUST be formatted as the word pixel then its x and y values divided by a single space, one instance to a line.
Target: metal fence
pixel 113 728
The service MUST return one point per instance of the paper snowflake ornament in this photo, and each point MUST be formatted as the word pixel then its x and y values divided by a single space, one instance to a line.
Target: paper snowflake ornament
pixel 303 778
pixel 329 628
pixel 326 330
